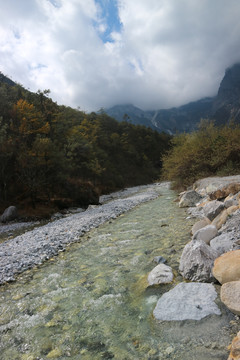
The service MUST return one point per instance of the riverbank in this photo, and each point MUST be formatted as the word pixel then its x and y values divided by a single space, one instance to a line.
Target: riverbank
pixel 40 244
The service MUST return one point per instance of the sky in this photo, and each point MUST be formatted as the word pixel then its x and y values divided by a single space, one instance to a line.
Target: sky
pixel 95 54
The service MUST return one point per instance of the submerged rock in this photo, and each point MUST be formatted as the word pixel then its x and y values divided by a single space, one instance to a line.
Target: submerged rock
pixel 187 301
pixel 161 274
pixel 197 260
pixel 159 260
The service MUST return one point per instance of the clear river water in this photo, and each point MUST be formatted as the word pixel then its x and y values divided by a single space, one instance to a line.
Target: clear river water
pixel 92 301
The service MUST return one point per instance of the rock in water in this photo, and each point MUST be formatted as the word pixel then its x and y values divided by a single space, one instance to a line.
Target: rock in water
pixel 227 267
pixel 197 261
pixel 230 296
pixel 187 301
pixel 189 198
pixel 161 274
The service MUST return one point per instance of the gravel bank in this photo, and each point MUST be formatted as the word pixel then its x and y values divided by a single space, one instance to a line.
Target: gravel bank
pixel 34 247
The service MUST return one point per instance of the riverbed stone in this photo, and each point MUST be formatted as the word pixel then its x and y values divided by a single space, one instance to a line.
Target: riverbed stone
pixel 227 267
pixel 226 242
pixel 235 348
pixel 9 214
pixel 161 274
pixel 206 234
pixel 189 198
pixel 159 259
pixel 187 301
pixel 230 296
pixel 200 224
pixel 212 209
pixel 197 260
pixel 220 219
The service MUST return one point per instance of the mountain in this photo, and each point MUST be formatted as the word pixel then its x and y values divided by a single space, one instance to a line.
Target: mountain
pixel 227 103
pixel 221 108
pixel 6 80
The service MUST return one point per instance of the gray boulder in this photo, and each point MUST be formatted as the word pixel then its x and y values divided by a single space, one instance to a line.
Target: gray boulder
pixel 200 224
pixel 197 260
pixel 161 274
pixel 212 209
pixel 206 234
pixel 226 242
pixel 189 198
pixel 9 214
pixel 187 301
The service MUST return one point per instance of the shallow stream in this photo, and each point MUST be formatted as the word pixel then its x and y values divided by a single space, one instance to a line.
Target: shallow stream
pixel 92 301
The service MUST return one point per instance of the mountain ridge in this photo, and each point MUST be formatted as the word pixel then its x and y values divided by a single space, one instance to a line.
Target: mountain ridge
pixel 221 108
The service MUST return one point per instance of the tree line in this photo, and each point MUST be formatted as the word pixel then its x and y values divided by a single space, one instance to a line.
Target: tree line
pixel 209 151
pixel 62 156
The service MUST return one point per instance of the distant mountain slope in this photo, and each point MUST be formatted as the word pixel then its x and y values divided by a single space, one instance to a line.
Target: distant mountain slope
pixel 183 118
pixel 6 80
pixel 222 108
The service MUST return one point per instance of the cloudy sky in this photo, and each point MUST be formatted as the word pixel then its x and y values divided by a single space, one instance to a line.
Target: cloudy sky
pixel 98 53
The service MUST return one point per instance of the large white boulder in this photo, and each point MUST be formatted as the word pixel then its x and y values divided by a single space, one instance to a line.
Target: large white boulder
pixel 197 260
pixel 192 301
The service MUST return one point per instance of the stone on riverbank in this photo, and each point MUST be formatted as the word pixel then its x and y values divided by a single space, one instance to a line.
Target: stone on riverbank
pixel 230 296
pixel 220 219
pixel 206 234
pixel 200 224
pixel 9 214
pixel 225 242
pixel 197 261
pixel 235 348
pixel 212 209
pixel 189 198
pixel 187 301
pixel 161 274
pixel 227 267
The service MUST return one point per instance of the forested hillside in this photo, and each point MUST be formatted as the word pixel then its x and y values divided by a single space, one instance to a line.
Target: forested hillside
pixel 211 150
pixel 59 156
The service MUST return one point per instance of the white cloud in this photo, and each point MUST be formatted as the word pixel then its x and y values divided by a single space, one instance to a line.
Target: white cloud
pixel 168 52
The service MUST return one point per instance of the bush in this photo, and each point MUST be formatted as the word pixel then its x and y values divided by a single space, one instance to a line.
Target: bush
pixel 209 151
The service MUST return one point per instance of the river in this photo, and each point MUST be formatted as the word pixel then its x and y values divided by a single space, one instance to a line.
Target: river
pixel 92 301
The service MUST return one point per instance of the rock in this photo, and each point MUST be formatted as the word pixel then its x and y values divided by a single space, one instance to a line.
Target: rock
pixel 235 348
pixel 228 202
pixel 206 234
pixel 230 296
pixel 9 214
pixel 225 242
pixel 189 198
pixel 197 260
pixel 200 224
pixel 212 209
pixel 159 260
pixel 192 301
pixel 232 223
pixel 232 209
pixel 227 267
pixel 161 274
pixel 208 185
pixel 220 219
pixel 224 191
